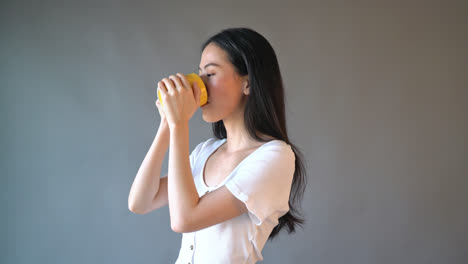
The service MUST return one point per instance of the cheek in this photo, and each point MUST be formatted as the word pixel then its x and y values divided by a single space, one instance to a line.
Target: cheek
pixel 223 88
pixel 217 89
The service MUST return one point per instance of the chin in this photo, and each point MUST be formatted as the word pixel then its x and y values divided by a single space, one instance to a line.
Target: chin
pixel 210 118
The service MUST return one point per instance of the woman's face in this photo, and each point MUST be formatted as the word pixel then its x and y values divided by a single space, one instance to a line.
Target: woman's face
pixel 226 89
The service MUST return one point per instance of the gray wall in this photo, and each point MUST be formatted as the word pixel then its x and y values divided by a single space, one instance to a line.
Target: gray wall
pixel 376 98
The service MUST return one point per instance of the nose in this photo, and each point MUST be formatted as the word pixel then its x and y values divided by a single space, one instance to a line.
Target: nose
pixel 205 81
pixel 204 78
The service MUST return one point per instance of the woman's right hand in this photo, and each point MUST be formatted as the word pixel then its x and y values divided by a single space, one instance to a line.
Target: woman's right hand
pixel 160 109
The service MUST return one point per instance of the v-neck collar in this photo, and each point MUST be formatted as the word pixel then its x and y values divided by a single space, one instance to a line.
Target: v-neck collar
pixel 219 144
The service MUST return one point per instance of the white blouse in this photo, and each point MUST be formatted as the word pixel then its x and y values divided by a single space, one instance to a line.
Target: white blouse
pixel 263 182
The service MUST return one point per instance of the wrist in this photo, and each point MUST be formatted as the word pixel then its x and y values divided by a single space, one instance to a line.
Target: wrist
pixel 181 125
pixel 163 126
pixel 163 121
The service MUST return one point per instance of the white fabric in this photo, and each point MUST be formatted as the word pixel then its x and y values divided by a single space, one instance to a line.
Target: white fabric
pixel 263 182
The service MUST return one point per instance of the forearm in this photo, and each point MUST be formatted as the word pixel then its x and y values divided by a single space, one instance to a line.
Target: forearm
pixel 182 193
pixel 146 183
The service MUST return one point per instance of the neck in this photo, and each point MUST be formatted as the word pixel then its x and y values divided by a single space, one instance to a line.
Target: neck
pixel 237 135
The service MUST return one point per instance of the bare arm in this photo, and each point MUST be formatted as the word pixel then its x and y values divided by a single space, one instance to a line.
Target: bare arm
pixel 188 212
pixel 145 192
pixel 182 192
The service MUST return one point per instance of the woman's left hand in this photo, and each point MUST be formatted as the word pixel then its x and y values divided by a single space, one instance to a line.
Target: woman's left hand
pixel 180 99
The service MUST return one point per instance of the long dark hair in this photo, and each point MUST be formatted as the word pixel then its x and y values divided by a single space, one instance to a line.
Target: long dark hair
pixel 250 53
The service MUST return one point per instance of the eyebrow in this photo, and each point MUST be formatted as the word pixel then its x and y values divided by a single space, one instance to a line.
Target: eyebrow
pixel 210 64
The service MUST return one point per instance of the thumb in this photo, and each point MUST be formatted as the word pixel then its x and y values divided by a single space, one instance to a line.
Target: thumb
pixel 197 92
pixel 158 105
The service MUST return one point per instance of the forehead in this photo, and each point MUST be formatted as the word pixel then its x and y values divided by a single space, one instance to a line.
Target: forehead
pixel 213 54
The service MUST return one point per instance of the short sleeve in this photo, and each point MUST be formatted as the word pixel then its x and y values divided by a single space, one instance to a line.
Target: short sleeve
pixel 264 181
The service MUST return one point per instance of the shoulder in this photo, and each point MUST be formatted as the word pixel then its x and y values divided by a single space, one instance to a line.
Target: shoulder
pixel 207 145
pixel 211 142
pixel 277 148
pixel 272 154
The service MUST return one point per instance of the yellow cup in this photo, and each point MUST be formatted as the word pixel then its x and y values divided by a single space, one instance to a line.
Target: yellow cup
pixel 192 77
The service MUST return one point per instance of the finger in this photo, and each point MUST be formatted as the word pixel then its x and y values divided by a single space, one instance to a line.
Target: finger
pixel 185 82
pixel 177 82
pixel 159 103
pixel 162 87
pixel 196 92
pixel 169 85
pixel 158 106
pixel 162 91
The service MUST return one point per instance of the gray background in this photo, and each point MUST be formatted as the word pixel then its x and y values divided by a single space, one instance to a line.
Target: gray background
pixel 376 97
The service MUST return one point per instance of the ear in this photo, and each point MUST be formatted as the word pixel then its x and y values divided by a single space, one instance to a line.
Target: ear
pixel 246 87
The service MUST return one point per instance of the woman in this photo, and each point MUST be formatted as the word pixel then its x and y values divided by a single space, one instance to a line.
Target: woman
pixel 236 190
